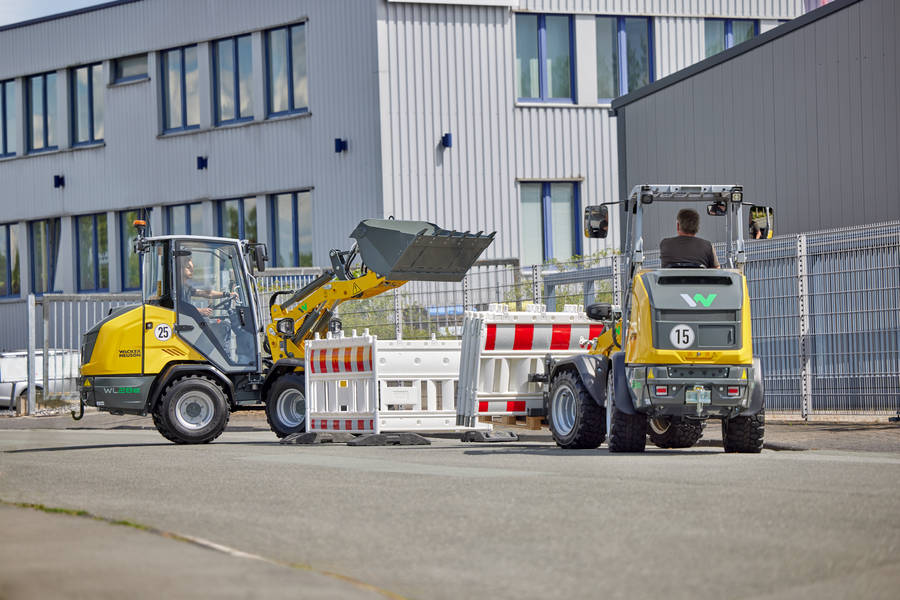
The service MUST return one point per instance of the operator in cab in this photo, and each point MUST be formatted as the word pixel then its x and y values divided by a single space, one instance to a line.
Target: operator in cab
pixel 187 290
pixel 686 249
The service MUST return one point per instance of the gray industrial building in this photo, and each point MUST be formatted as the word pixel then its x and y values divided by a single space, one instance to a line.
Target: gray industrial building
pixel 288 121
pixel 806 117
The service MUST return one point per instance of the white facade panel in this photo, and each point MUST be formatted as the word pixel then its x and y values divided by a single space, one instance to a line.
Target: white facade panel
pixel 738 9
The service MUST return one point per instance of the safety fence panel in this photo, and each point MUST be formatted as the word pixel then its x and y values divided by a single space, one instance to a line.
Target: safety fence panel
pixel 853 291
pixel 362 385
pixel 502 349
pixel 342 384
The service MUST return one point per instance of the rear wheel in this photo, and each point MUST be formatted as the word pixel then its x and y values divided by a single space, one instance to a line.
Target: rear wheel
pixel 286 405
pixel 627 433
pixel 193 410
pixel 666 433
pixel 744 434
pixel 576 421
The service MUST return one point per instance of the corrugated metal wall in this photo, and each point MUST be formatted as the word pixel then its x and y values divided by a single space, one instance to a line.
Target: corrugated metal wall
pixel 135 168
pixel 808 123
pixel 739 9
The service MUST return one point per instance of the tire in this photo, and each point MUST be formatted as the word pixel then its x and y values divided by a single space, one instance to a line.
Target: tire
pixel 744 434
pixel 627 433
pixel 286 405
pixel 665 433
pixel 193 410
pixel 576 421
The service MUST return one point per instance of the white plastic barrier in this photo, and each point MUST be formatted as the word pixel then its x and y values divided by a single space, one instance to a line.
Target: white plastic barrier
pixel 363 385
pixel 502 348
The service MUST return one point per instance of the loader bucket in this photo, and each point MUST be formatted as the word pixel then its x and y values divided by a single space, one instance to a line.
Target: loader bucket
pixel 417 251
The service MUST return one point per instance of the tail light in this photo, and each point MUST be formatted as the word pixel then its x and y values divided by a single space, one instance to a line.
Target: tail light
pixel 662 390
pixel 734 391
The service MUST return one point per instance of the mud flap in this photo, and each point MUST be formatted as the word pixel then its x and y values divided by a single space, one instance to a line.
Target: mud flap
pixel 623 396
pixel 592 370
pixel 418 250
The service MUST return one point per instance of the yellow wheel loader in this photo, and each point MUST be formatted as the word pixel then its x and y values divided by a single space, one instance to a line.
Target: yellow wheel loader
pixel 677 354
pixel 193 351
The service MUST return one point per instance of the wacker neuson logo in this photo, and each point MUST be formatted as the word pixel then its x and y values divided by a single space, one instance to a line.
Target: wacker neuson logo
pixel 692 302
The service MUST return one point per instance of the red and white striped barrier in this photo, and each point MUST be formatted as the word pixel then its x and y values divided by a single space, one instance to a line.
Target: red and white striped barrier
pixel 502 348
pixel 360 384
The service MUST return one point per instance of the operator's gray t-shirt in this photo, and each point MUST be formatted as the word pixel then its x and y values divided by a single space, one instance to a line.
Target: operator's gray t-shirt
pixel 687 249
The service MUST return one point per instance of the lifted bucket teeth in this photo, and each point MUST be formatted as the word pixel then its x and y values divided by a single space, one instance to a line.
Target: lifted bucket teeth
pixel 417 250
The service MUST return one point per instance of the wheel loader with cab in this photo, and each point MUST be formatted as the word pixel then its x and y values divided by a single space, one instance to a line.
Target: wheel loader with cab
pixel 189 367
pixel 678 352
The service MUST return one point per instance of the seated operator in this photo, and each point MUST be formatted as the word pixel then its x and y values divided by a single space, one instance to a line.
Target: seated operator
pixel 187 290
pixel 686 247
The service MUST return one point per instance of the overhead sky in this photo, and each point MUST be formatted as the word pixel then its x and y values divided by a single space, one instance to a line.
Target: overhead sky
pixel 16 11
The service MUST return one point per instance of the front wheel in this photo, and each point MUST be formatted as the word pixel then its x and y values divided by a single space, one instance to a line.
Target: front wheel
pixel 666 433
pixel 576 421
pixel 193 410
pixel 286 405
pixel 627 433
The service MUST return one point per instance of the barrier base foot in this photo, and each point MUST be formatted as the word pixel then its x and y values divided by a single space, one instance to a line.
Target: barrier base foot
pixel 894 419
pixel 319 438
pixel 489 436
pixel 389 439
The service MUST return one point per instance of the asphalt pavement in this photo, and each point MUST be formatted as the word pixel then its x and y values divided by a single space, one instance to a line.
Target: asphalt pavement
pixel 248 517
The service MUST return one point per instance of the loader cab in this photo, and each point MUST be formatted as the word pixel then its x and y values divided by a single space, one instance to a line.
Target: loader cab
pixel 205 282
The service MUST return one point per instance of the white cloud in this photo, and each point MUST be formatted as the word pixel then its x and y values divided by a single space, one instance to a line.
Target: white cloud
pixel 16 11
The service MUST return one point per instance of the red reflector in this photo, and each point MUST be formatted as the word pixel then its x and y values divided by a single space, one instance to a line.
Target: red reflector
pixel 734 391
pixel 662 390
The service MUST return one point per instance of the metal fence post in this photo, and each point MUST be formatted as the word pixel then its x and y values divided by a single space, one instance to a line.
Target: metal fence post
pixel 535 286
pixel 617 280
pixel 398 314
pixel 805 349
pixel 45 359
pixel 32 364
pixel 466 303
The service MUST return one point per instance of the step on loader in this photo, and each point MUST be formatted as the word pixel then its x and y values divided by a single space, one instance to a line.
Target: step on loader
pixel 190 366
pixel 676 354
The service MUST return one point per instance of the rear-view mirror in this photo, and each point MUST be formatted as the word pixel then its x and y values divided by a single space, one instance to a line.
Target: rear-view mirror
pixel 260 256
pixel 719 209
pixel 761 225
pixel 596 221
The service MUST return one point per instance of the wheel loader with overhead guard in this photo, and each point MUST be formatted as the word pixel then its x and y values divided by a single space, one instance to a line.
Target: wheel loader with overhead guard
pixel 189 367
pixel 677 354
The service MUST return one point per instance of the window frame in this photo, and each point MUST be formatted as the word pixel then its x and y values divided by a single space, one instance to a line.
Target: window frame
pixel 295 231
pixel 547 217
pixel 242 217
pixel 236 76
pixel 165 88
pixel 125 247
pixel 289 45
pixel 50 250
pixel 45 117
pixel 73 105
pixel 8 264
pixel 542 62
pixel 4 111
pixel 729 32
pixel 115 67
pixel 187 219
pixel 96 254
pixel 622 50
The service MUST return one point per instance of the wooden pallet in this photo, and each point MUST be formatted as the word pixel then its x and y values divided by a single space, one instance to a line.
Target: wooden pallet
pixel 531 423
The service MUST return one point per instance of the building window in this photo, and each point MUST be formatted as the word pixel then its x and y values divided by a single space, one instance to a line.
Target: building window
pixel 131 68
pixel 7 118
pixel 9 261
pixel 722 34
pixel 544 50
pixel 185 219
pixel 234 80
pixel 631 37
pixel 286 70
pixel 131 261
pixel 42 112
pixel 550 214
pixel 292 229
pixel 181 92
pixel 44 253
pixel 93 253
pixel 87 104
pixel 237 219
